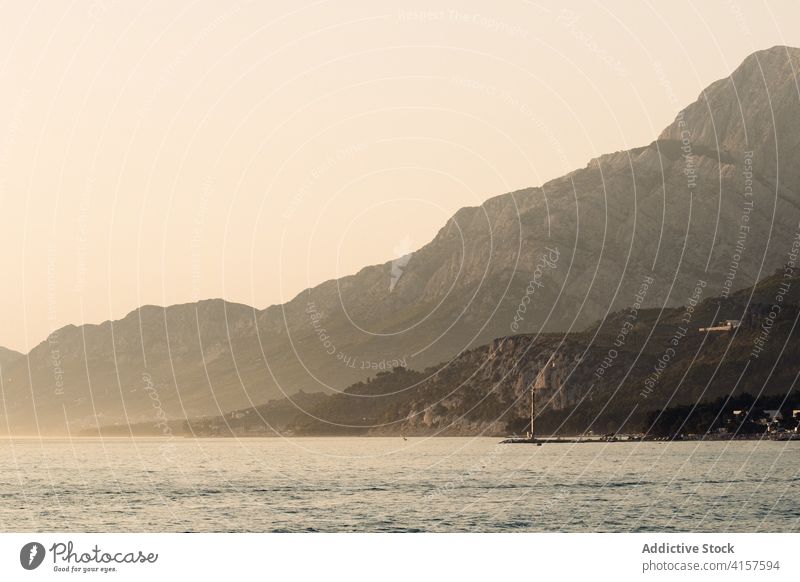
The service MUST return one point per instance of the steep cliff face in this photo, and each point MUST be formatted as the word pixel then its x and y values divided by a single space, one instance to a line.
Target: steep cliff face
pixel 486 390
pixel 714 199
pixel 495 398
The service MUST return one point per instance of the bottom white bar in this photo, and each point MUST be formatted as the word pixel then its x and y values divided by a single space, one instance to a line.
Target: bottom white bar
pixel 401 557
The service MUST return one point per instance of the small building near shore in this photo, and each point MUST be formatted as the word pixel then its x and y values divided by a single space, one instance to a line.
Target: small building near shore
pixel 724 325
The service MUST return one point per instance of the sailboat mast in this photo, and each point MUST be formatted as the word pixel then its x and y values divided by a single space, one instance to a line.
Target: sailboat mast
pixel 533 410
pixel 540 377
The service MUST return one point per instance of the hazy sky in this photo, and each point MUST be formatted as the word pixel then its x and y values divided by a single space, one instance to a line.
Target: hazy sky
pixel 163 152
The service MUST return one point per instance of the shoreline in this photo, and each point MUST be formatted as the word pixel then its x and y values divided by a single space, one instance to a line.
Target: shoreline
pixel 577 439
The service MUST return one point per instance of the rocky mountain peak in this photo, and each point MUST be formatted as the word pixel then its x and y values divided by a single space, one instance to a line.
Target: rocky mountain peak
pixel 755 109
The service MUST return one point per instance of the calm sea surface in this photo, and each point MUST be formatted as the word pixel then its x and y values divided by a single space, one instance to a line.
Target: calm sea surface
pixel 388 485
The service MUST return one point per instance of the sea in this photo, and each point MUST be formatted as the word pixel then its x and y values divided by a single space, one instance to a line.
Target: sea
pixel 435 484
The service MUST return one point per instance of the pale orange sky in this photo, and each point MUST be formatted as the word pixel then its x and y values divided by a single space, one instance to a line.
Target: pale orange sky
pixel 164 152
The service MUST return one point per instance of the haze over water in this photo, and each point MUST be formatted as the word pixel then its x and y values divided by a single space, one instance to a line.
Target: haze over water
pixel 388 485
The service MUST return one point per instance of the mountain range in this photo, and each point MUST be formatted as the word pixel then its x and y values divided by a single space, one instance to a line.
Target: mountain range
pixel 710 205
pixel 607 379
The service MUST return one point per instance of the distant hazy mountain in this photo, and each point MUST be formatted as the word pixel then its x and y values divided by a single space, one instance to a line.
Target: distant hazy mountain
pixel 714 198
pixel 7 356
